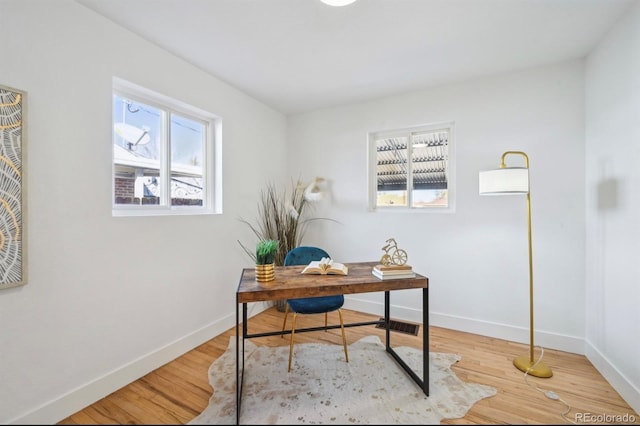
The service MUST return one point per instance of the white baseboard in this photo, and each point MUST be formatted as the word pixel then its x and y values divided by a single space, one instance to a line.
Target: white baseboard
pixel 572 344
pixel 620 383
pixel 85 395
pixel 484 328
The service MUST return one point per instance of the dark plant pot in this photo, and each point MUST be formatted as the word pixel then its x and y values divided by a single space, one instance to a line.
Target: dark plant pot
pixel 281 305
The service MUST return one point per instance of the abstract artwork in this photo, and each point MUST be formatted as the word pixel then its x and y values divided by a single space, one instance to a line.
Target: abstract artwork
pixel 12 271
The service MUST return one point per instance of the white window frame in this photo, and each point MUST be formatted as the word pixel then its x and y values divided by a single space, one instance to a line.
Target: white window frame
pixel 372 163
pixel 212 156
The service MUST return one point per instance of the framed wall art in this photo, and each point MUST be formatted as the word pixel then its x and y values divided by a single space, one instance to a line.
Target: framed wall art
pixel 12 130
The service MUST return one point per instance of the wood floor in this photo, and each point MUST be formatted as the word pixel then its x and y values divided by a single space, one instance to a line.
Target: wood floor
pixel 178 391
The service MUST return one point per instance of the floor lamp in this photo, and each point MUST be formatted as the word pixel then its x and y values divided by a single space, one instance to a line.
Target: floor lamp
pixel 510 181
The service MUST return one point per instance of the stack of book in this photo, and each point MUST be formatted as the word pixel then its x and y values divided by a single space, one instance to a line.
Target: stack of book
pixel 393 272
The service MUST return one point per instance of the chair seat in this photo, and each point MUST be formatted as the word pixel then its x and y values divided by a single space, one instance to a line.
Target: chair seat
pixel 316 305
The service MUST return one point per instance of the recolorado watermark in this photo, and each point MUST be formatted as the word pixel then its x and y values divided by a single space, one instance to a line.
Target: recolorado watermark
pixel 605 418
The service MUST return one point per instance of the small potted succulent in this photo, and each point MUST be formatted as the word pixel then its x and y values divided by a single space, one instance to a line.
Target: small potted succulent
pixel 266 251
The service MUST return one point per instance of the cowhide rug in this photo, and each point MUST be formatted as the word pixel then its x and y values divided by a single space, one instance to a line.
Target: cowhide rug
pixel 324 389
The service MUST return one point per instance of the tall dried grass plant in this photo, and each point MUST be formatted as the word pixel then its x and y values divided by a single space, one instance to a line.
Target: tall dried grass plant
pixel 283 215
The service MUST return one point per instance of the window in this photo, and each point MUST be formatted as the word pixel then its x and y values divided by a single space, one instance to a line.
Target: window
pixel 164 153
pixel 411 168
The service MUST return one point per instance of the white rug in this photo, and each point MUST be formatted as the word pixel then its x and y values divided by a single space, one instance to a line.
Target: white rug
pixel 323 389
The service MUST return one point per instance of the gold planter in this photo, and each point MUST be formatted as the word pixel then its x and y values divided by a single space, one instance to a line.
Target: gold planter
pixel 265 272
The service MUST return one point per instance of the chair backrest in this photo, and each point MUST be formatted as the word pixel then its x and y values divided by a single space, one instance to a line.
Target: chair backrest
pixel 302 255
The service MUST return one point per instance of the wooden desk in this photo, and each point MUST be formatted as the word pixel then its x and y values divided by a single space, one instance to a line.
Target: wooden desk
pixel 289 283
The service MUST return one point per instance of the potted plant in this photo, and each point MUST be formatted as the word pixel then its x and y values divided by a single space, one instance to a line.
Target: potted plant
pixel 266 251
pixel 283 215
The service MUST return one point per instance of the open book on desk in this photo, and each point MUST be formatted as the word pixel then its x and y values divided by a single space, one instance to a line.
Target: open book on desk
pixel 325 266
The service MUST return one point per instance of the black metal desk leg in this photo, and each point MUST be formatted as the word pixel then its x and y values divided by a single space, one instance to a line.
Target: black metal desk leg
pixel 239 366
pixel 423 381
pixel 387 320
pixel 425 340
pixel 238 362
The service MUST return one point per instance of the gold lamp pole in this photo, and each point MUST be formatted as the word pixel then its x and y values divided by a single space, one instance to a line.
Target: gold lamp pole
pixel 515 180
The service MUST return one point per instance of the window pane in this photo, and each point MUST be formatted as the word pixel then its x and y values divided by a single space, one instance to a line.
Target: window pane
pixel 391 171
pixel 188 139
pixel 429 165
pixel 137 134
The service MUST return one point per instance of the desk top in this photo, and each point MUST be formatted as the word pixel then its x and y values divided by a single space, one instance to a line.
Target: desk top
pixel 290 283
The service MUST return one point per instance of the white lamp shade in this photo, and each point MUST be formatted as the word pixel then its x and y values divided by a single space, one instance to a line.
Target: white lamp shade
pixel 508 180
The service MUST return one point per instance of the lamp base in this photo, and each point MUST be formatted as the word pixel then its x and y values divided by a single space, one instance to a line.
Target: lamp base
pixel 523 363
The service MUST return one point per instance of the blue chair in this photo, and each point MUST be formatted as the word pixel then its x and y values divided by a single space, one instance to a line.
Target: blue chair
pixel 311 305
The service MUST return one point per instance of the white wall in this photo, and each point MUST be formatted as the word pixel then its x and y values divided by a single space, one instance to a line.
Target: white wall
pixel 477 257
pixel 109 299
pixel 613 206
pixel 93 317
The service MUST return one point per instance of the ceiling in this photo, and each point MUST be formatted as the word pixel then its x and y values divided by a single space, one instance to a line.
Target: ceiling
pixel 301 55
